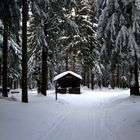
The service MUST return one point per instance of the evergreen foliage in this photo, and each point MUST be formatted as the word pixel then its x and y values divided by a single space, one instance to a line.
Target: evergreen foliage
pixel 9 13
pixel 119 27
pixel 97 39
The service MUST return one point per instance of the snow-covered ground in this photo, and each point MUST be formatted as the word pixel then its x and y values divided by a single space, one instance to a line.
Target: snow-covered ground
pixel 92 115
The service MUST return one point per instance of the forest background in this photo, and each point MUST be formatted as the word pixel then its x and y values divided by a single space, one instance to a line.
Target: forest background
pixel 42 38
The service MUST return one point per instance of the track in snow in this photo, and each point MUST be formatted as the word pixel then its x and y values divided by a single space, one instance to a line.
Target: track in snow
pixel 88 118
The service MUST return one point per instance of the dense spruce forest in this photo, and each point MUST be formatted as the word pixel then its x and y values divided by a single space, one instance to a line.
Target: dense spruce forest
pixel 98 39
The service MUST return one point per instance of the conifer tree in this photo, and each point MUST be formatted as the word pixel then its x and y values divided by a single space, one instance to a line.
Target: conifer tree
pixel 48 16
pixel 87 43
pixel 9 13
pixel 24 51
pixel 119 28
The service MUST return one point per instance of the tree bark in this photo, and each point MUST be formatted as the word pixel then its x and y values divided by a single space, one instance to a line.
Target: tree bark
pixel 24 51
pixel 74 63
pixel 113 80
pixel 134 89
pixel 0 74
pixel 118 77
pixel 5 53
pixel 88 80
pixel 44 71
pixel 92 80
pixel 84 77
pixel 66 60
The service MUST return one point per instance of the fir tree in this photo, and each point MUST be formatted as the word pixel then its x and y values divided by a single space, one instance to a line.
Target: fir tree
pixel 10 9
pixel 119 27
pixel 48 17
pixel 88 51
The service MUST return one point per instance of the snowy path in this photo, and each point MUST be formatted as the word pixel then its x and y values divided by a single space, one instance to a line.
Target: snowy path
pixel 91 118
pixel 93 115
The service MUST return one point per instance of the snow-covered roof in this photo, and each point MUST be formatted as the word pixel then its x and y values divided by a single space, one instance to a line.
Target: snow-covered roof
pixel 65 73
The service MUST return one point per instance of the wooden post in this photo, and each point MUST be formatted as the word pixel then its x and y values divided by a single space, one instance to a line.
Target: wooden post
pixel 56 90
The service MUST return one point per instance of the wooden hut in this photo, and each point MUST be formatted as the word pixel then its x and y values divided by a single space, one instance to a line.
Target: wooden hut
pixel 68 82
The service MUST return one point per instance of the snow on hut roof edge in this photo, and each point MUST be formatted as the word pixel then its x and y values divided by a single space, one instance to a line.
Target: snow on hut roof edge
pixel 65 73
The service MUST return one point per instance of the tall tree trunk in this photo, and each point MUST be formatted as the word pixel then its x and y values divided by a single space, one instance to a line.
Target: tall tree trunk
pixel 134 88
pixel 113 79
pixel 74 63
pixel 117 77
pixel 84 77
pixel 66 60
pixel 51 76
pixel 105 80
pixel 106 77
pixel 24 51
pixel 136 80
pixel 88 80
pixel 5 53
pixel 92 80
pixel 39 84
pixel 0 74
pixel 44 71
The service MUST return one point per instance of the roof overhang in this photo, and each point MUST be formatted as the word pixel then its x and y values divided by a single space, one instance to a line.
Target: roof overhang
pixel 65 73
